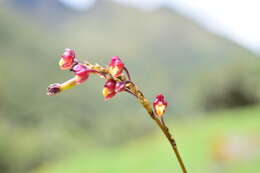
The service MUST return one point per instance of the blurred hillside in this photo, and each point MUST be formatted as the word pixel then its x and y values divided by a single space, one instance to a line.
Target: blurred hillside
pixel 178 49
pixel 165 52
pixel 51 12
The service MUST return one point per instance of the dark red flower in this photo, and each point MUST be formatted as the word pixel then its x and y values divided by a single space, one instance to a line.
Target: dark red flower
pixel 116 66
pixel 67 59
pixel 160 105
pixel 109 89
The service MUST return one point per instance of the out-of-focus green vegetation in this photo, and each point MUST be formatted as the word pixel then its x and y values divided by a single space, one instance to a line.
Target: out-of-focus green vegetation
pixel 196 139
pixel 231 86
pixel 165 53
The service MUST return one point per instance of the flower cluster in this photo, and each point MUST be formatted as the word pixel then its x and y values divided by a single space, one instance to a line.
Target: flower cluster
pixel 116 80
pixel 68 62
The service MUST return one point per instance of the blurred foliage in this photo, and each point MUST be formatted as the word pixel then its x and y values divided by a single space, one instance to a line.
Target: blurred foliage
pixel 164 52
pixel 231 86
pixel 196 140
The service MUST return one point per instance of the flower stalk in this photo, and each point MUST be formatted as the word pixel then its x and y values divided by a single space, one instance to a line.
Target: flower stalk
pixel 116 81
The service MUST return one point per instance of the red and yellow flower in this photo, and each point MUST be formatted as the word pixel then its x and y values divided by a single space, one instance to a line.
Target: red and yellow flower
pixel 116 66
pixel 111 88
pixel 67 59
pixel 160 105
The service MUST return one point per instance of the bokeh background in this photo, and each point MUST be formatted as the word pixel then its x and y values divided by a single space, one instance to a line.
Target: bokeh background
pixel 203 56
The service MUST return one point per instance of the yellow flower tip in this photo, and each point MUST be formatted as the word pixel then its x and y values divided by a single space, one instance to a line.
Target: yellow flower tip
pixel 61 64
pixel 160 109
pixel 65 65
pixel 108 94
pixel 105 92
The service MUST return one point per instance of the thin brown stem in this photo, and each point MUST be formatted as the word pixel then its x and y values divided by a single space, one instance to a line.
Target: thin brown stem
pixel 130 92
pixel 172 141
pixel 161 124
pixel 127 73
pixel 162 120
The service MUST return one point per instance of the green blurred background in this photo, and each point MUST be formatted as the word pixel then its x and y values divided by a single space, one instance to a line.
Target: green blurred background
pixel 212 85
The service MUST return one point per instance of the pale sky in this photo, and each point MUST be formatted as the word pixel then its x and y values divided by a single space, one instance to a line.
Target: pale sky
pixel 238 20
pixel 79 4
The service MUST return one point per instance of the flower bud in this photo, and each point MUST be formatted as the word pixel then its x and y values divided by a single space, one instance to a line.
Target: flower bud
pixel 67 59
pixel 160 105
pixel 53 89
pixel 81 73
pixel 116 66
pixel 109 89
pixel 56 88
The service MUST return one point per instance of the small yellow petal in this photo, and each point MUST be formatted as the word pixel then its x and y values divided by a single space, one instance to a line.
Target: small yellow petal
pixel 61 62
pixel 105 92
pixel 160 109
